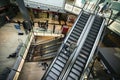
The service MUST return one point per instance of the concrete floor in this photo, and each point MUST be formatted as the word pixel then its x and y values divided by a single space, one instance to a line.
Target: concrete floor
pixel 32 71
pixel 8 44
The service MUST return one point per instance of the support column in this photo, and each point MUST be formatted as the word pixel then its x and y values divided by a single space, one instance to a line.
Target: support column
pixel 24 12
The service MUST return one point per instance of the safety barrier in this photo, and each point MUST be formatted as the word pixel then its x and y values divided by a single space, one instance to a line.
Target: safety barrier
pixel 15 71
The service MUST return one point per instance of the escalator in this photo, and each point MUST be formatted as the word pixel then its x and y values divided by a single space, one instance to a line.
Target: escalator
pixel 47 49
pixel 50 48
pixel 48 42
pixel 50 51
pixel 62 59
pixel 82 59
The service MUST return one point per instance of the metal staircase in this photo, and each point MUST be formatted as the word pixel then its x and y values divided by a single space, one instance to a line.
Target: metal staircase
pixel 62 60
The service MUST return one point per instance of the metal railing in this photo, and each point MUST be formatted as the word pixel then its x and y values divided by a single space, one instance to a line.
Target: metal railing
pixel 15 71
pixel 87 6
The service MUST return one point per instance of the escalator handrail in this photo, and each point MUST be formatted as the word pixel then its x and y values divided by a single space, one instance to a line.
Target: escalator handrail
pixel 93 48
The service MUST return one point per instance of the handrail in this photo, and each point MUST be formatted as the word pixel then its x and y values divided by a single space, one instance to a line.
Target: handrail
pixel 14 74
pixel 111 13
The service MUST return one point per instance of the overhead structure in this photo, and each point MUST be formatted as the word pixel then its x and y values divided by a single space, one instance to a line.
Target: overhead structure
pixel 48 5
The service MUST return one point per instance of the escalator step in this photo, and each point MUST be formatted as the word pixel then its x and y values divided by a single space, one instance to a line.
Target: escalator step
pixel 90 39
pixel 60 63
pixel 64 56
pixel 51 74
pixel 84 18
pixel 89 42
pixel 80 23
pixel 83 56
pixel 74 36
pixel 75 33
pixel 69 78
pixel 70 41
pixel 56 66
pixel 81 59
pixel 86 49
pixel 75 77
pixel 79 26
pixel 77 67
pixel 55 71
pixel 77 30
pixel 94 30
pixel 49 78
pixel 93 33
pixel 92 36
pixel 97 21
pixel 84 52
pixel 88 45
pixel 79 63
pixel 96 27
pixel 62 59
pixel 75 71
pixel 85 15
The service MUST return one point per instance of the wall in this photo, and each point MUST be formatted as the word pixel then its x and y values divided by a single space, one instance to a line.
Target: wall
pixel 58 3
